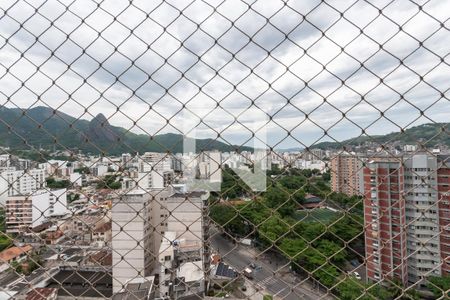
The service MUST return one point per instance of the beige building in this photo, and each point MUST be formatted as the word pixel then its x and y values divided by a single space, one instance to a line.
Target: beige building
pixel 346 174
pixel 138 225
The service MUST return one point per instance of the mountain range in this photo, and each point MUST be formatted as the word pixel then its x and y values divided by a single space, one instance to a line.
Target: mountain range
pixel 43 127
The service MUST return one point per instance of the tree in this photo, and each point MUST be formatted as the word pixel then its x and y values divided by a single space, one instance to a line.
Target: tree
pixel 34 262
pixel 227 217
pixel 331 249
pixel 109 182
pixel 232 185
pixel 5 242
pixel 273 229
pixel 327 274
pixel 73 197
pixel 292 247
pixel 347 227
pixel 82 170
pixel 292 182
pixel 280 200
pixel 310 231
pixel 326 176
pixel 440 286
pixel 350 289
pixel 255 212
pixel 57 184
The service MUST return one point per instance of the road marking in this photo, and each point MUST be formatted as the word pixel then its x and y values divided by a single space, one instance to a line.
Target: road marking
pixel 268 280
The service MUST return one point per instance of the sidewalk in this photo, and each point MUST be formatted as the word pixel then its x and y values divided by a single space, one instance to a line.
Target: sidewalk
pixel 254 292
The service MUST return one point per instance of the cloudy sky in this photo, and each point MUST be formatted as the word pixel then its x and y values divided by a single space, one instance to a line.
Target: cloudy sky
pixel 303 67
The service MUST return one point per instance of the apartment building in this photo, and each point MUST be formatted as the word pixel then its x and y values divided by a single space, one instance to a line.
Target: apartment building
pixel 28 211
pixel 209 166
pixel 138 224
pixel 183 253
pixel 385 220
pixel 154 161
pixel 346 174
pixel 406 212
pixel 422 216
pixel 443 194
pixel 19 182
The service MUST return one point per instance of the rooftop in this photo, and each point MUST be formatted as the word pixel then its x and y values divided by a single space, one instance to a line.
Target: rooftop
pixel 194 194
pixel 82 283
pixel 41 293
pixel 225 270
pixel 191 271
pixel 309 198
pixel 136 289
pixel 103 228
pixel 13 252
pixel 102 257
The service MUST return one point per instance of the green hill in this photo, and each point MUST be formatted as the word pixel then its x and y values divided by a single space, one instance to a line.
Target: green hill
pixel 43 127
pixel 431 134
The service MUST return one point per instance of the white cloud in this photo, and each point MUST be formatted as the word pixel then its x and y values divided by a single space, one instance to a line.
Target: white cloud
pixel 134 56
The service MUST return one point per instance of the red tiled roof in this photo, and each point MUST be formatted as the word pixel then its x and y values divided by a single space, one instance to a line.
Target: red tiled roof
pixel 13 252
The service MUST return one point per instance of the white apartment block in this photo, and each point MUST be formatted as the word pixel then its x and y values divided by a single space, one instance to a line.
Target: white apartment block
pixel 154 169
pixel 76 178
pixel 19 182
pixel 28 211
pixel 210 166
pixel 186 215
pixel 422 215
pixel 99 170
pixel 152 179
pixel 154 161
pixel 138 223
pixel 5 160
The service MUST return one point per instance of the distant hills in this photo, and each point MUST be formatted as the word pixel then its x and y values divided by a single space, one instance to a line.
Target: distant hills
pixel 47 128
pixel 430 135
pixel 43 127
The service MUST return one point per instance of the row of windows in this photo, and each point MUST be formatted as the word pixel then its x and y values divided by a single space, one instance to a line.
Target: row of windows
pixel 431 211
pixel 428 245
pixel 419 169
pixel 429 253
pixel 420 177
pixel 421 194
pixel 423 227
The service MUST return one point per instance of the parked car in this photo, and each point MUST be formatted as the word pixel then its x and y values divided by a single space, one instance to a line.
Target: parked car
pixel 248 273
pixel 255 266
pixel 357 276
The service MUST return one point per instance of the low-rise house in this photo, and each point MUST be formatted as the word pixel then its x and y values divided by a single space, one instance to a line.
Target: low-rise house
pixel 13 254
pixel 312 201
pixel 102 235
pixel 100 258
pixel 52 237
pixel 81 228
pixel 222 272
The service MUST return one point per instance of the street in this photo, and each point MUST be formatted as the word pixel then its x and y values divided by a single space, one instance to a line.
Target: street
pixel 274 276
